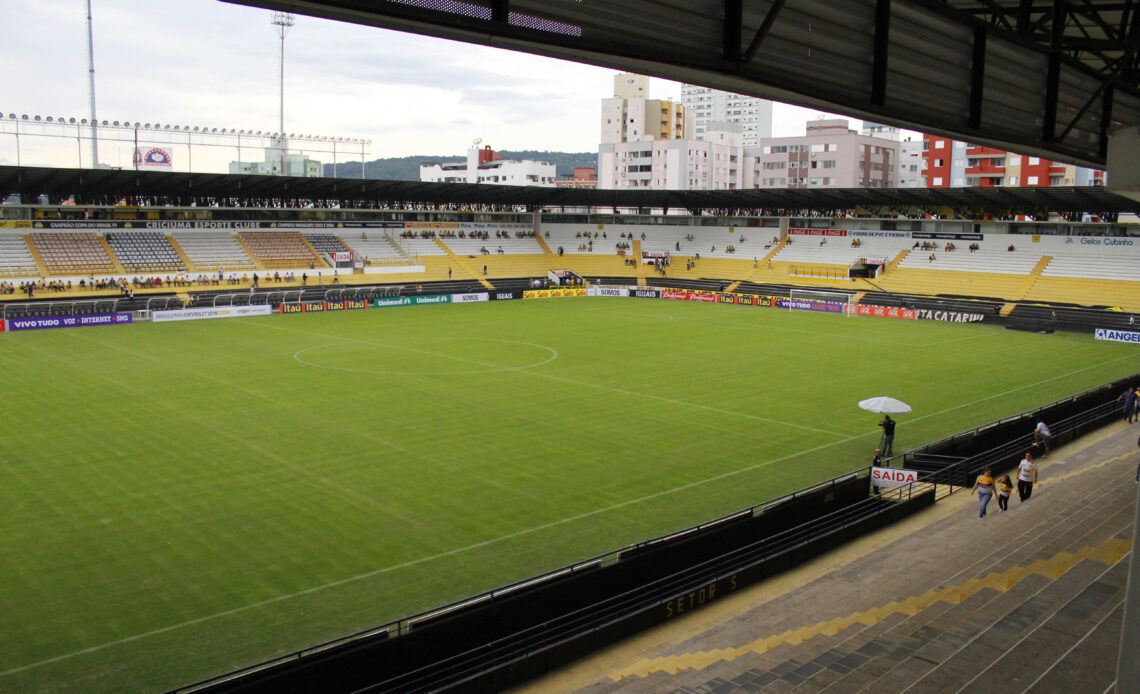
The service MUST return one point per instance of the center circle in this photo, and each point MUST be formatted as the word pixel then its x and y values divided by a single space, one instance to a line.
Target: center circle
pixel 427 357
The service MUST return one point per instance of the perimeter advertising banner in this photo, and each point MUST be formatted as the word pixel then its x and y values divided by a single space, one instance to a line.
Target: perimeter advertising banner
pixel 709 297
pixel 470 297
pixel 83 321
pixel 881 311
pixel 950 316
pixel 608 291
pixel 555 293
pixel 412 300
pixel 505 296
pixel 213 312
pixel 1117 335
pixel 818 232
pixel 803 305
pixel 646 293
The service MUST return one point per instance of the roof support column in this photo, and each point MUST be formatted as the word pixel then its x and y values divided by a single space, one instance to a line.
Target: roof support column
pixel 977 78
pixel 882 42
pixel 1053 76
pixel 1123 170
pixel 733 29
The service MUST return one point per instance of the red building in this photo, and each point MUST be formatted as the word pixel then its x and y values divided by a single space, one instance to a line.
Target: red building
pixel 953 164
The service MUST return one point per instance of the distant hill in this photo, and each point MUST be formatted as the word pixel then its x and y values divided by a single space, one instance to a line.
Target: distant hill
pixel 408 168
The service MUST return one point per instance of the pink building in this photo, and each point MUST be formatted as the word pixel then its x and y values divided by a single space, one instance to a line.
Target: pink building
pixel 829 155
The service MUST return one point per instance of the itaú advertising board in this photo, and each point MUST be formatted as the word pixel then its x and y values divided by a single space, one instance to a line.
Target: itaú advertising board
pixel 211 312
pixel 893 477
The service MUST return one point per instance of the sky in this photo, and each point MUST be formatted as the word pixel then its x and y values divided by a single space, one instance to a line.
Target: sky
pixel 214 64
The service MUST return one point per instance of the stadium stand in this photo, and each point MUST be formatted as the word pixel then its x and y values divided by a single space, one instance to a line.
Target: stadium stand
pixel 16 260
pixel 214 250
pixel 376 248
pixel 145 251
pixel 326 243
pixel 511 246
pixel 72 253
pixel 984 260
pixel 281 249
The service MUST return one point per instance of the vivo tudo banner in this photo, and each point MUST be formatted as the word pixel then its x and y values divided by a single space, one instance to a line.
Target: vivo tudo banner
pixel 412 300
pixel 1117 335
pixel 881 311
pixel 688 296
pixel 893 477
pixel 83 321
pixel 212 312
pixel 802 305
pixel 554 293
pixel 470 297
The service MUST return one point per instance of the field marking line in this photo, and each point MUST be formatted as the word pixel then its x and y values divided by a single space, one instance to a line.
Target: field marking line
pixel 509 536
pixel 957 339
pixel 586 384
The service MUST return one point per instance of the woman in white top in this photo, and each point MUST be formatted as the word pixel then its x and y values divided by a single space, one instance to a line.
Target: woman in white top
pixel 1026 477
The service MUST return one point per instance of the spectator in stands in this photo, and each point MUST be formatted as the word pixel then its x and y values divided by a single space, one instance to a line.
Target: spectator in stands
pixel 1010 249
pixel 1128 397
pixel 1041 435
pixel 888 427
pixel 984 486
pixel 1026 477
pixel 930 259
pixel 1004 488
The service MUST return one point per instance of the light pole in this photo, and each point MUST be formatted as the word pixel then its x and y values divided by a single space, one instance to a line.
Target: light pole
pixel 91 88
pixel 283 21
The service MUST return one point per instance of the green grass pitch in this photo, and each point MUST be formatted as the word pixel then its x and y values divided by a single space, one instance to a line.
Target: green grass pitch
pixel 181 499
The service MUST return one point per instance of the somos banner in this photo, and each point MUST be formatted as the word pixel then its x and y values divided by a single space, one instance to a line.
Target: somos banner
pixel 1118 335
pixel 893 477
pixel 801 305
pixel 214 312
pixel 85 321
pixel 881 311
pixel 470 297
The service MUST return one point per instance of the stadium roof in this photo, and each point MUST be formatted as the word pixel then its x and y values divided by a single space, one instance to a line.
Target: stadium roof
pixel 1053 77
pixel 108 187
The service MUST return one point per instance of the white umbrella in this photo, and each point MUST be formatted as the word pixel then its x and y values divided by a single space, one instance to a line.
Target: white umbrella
pixel 885 405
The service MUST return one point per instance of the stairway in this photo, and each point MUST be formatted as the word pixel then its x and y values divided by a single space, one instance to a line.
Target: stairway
pixel 463 264
pixel 190 267
pixel 1033 276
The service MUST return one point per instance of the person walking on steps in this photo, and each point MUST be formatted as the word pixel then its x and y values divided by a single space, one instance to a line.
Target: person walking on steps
pixel 984 486
pixel 1026 477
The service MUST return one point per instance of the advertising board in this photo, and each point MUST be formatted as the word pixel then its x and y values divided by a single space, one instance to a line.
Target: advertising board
pixel 818 232
pixel 1117 335
pixel 881 311
pixel 949 316
pixel 470 297
pixel 412 300
pixel 802 305
pixel 555 293
pixel 212 312
pixel 80 321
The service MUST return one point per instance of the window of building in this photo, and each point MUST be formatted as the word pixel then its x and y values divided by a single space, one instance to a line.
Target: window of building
pixel 829 163
pixel 1013 160
pixel 939 144
pixel 937 181
pixel 942 162
pixel 1031 180
pixel 960 181
pixel 1034 161
pixel 959 162
pixel 1056 180
pixel 1012 181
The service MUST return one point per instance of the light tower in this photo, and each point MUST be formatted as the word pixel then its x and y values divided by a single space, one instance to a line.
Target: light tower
pixel 283 21
pixel 91 88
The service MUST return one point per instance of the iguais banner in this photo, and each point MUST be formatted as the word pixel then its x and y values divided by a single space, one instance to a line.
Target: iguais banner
pixel 212 312
pixel 81 321
pixel 893 477
pixel 881 311
pixel 1117 335
pixel 646 293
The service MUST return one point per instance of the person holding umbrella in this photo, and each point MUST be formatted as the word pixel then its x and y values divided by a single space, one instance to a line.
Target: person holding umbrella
pixel 886 406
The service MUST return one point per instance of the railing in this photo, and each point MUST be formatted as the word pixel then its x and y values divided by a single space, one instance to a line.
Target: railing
pixel 820 272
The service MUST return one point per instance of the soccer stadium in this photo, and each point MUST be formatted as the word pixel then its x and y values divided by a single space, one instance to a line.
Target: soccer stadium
pixel 281 434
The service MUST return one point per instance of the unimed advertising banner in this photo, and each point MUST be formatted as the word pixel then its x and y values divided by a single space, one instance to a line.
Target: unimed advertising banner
pixel 412 300
pixel 212 312
pixel 84 321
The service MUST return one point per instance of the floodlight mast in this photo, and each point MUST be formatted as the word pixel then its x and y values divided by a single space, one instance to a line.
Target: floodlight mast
pixel 91 88
pixel 283 21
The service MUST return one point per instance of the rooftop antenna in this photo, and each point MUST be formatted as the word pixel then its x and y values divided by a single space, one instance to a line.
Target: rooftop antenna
pixel 283 21
pixel 91 88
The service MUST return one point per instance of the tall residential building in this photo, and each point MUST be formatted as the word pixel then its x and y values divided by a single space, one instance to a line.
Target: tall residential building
pixel 828 155
pixel 713 163
pixel 912 164
pixel 954 164
pixel 631 116
pixel 486 166
pixel 705 106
